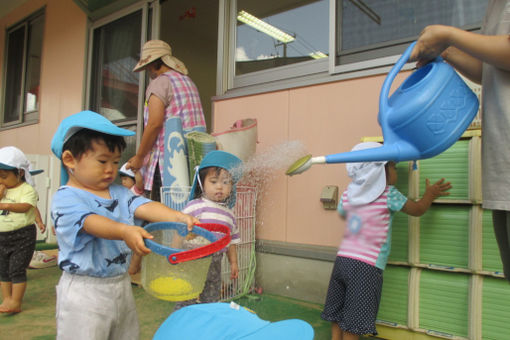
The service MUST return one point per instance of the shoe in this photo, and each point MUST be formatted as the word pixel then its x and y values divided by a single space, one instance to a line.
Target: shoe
pixel 42 260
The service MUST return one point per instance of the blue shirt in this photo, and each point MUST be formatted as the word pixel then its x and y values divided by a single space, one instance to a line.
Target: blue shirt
pixel 84 254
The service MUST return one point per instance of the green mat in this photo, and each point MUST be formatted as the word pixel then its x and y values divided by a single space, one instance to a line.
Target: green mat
pixel 199 144
pixel 41 245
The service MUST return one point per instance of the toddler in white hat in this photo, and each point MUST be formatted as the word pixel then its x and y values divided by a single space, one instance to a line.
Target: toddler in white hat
pixel 18 201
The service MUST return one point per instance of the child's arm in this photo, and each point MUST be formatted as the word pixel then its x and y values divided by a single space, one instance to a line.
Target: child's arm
pixel 39 221
pixel 106 228
pixel 3 190
pixel 432 192
pixel 134 266
pixel 232 258
pixel 16 207
pixel 158 212
pixel 139 182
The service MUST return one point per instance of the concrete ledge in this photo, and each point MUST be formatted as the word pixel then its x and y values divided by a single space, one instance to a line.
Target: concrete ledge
pixel 305 251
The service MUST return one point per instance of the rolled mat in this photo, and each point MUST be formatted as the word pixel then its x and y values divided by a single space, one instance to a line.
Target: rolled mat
pixel 199 144
pixel 175 164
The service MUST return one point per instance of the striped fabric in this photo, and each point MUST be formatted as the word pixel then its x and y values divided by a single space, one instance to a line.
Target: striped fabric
pixel 367 237
pixel 186 104
pixel 211 212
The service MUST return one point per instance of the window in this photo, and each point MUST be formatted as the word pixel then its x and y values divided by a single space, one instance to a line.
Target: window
pixel 305 42
pixel 113 88
pixel 115 50
pixel 371 29
pixel 272 34
pixel 280 33
pixel 22 71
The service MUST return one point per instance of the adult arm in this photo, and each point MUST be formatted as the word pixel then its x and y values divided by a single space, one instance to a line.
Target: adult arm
pixel 464 50
pixel 151 131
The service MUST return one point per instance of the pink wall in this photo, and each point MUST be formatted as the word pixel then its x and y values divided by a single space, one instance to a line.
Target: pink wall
pixel 62 70
pixel 327 118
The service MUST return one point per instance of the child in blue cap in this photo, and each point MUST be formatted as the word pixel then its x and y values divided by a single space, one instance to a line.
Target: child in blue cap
pixel 212 198
pixel 93 219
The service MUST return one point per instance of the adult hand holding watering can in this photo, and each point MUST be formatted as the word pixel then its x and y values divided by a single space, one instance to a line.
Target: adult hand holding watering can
pixel 462 49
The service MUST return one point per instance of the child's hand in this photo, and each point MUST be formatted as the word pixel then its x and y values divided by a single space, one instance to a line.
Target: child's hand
pixel 234 271
pixel 189 220
pixel 437 189
pixel 41 226
pixel 135 265
pixel 133 236
pixel 3 190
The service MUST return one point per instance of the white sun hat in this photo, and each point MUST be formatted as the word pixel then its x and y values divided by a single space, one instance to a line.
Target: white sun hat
pixel 368 178
pixel 123 171
pixel 12 158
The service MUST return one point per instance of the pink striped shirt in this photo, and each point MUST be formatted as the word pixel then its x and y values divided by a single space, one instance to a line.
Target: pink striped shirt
pixel 181 99
pixel 367 236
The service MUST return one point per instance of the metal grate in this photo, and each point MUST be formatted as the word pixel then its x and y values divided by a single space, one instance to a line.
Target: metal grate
pixel 244 211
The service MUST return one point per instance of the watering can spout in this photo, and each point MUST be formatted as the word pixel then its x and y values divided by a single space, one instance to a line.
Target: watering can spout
pixel 394 152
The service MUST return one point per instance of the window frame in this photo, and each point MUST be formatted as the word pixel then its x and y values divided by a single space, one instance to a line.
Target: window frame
pixel 299 74
pixel 259 81
pixel 30 117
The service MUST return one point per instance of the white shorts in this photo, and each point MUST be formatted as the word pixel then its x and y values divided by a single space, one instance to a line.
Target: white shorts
pixel 96 308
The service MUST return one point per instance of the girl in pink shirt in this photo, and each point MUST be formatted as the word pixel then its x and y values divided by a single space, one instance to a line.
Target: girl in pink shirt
pixel 368 205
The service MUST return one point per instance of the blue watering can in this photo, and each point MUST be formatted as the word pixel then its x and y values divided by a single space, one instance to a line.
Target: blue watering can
pixel 422 118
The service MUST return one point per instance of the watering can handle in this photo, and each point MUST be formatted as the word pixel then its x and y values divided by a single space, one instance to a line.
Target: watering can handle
pixel 385 90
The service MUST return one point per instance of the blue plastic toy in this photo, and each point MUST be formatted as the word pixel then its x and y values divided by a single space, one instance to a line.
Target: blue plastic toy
pixel 422 118
pixel 223 321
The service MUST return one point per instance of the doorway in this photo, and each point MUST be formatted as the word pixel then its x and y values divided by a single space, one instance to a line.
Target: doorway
pixel 191 29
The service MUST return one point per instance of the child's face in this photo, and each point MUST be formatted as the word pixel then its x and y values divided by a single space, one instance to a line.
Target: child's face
pixel 9 179
pixel 217 186
pixel 391 175
pixel 127 181
pixel 96 169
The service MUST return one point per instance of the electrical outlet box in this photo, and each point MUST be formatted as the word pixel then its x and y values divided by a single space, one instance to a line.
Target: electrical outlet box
pixel 329 197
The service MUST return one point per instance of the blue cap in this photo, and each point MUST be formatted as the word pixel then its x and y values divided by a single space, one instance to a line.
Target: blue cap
pixel 222 321
pixel 220 159
pixel 7 167
pixel 74 123
pixel 36 172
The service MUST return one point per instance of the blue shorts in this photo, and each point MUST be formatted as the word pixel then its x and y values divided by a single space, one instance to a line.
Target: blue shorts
pixel 353 297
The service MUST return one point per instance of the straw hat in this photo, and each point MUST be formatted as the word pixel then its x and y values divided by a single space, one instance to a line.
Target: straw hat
pixel 154 49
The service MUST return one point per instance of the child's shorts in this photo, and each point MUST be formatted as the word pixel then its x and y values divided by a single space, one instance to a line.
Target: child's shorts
pixel 353 297
pixel 16 250
pixel 96 308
